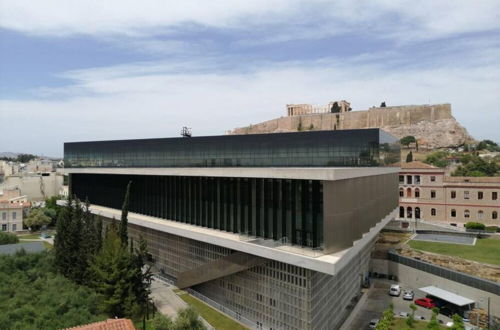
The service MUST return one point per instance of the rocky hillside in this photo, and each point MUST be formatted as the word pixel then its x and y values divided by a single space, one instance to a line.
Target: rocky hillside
pixel 432 125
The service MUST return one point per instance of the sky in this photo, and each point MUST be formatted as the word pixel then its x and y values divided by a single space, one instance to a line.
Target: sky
pixel 74 70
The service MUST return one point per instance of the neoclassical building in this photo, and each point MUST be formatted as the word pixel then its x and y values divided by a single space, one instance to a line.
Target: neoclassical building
pixel 427 193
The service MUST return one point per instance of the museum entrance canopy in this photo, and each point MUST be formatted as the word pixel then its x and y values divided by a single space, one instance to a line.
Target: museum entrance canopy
pixel 367 147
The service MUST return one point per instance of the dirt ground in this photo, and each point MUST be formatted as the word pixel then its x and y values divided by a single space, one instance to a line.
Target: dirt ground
pixel 489 272
pixel 397 241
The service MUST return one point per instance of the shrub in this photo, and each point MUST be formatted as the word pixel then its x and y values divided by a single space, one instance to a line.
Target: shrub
pixel 493 229
pixel 475 225
pixel 8 238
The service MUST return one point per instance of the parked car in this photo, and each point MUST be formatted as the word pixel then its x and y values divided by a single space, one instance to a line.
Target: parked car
pixel 403 314
pixel 373 323
pixel 395 290
pixel 408 295
pixel 425 302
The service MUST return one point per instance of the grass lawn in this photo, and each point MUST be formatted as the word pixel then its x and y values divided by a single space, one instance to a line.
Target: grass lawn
pixel 29 236
pixel 218 320
pixel 400 323
pixel 486 250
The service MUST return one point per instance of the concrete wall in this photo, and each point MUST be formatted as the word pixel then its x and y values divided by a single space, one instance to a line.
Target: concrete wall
pixel 30 185
pixel 418 279
pixel 355 205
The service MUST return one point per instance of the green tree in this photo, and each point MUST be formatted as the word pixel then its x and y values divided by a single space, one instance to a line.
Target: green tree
pixel 407 140
pixel 433 323
pixel 162 322
pixel 409 157
pixel 124 218
pixel 437 158
pixel 473 165
pixel 36 219
pixel 188 319
pixel 33 296
pixel 458 322
pixel 114 274
pixel 25 158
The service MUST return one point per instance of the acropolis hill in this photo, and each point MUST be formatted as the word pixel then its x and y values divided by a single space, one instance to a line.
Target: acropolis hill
pixel 432 124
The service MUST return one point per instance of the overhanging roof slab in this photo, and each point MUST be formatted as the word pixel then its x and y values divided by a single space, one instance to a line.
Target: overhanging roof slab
pixel 447 296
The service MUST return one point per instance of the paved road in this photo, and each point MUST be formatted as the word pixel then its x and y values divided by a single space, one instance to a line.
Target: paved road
pixel 378 300
pixel 168 302
pixel 165 299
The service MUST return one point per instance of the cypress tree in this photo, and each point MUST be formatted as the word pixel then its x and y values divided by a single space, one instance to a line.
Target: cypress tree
pixel 114 275
pixel 124 220
pixel 61 239
pixel 409 157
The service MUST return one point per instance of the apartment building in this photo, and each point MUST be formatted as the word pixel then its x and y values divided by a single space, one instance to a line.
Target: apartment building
pixel 277 228
pixel 427 193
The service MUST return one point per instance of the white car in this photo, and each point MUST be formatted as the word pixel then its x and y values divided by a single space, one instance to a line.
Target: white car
pixel 373 323
pixel 408 295
pixel 403 314
pixel 395 290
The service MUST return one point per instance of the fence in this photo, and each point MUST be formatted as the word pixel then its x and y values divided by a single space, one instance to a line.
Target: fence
pixel 466 279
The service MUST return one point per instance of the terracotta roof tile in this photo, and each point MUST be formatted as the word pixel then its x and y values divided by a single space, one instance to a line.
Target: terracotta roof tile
pixel 110 324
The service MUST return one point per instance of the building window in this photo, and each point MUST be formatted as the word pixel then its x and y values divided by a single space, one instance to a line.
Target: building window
pixel 4 215
pixel 480 214
pixel 433 194
pixel 433 178
pixel 466 214
pixel 494 215
pixel 401 179
pixel 409 212
pixel 466 195
pixel 14 227
pixel 433 212
pixel 479 195
pixel 494 195
pixel 408 192
pixel 417 193
pixel 401 212
pixel 401 192
pixel 14 215
pixel 4 227
pixel 453 194
pixel 417 213
pixel 417 179
pixel 453 213
pixel 409 179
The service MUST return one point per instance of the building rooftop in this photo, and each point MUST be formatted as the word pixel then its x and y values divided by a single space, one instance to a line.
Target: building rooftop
pixel 472 179
pixel 110 324
pixel 417 165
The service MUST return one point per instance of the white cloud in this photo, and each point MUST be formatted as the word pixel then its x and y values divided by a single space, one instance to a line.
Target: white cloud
pixel 113 103
pixel 404 20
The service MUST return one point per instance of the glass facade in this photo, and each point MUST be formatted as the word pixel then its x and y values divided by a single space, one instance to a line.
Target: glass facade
pixel 278 209
pixel 367 147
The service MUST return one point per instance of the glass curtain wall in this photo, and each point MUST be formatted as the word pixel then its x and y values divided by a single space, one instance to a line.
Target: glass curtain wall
pixel 368 147
pixel 278 209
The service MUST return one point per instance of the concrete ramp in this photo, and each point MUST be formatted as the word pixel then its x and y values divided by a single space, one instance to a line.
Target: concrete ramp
pixel 225 266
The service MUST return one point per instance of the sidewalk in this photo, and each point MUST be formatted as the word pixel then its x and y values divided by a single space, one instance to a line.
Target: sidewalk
pixel 166 300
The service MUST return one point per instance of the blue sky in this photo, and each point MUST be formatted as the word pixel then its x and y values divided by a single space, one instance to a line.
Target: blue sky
pixel 88 70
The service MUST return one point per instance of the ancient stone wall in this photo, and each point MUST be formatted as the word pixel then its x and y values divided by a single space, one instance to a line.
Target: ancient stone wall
pixel 433 125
